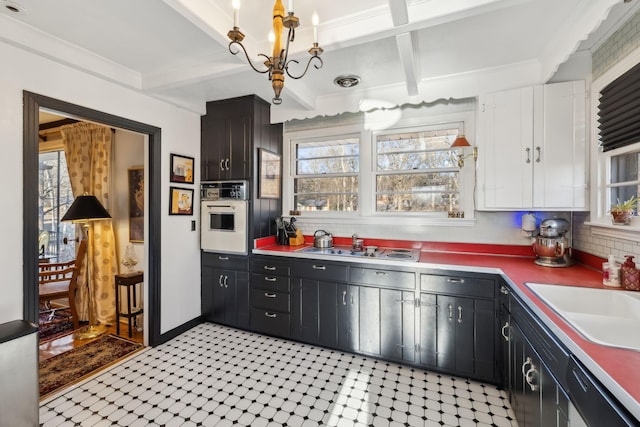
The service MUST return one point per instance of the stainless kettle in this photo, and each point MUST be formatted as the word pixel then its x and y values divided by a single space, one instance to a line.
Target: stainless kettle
pixel 322 239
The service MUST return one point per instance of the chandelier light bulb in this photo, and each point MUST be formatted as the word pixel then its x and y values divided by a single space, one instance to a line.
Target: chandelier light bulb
pixel 236 12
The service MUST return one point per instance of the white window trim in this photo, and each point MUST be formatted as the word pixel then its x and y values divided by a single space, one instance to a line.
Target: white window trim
pixel 600 222
pixel 366 214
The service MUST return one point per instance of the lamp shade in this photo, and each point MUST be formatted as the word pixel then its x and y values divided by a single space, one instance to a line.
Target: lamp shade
pixel 85 208
pixel 460 141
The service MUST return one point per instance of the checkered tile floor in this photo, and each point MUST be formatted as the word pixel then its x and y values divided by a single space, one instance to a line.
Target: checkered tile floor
pixel 217 376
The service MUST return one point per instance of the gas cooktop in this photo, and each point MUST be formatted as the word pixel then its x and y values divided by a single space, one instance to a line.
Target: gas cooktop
pixel 397 254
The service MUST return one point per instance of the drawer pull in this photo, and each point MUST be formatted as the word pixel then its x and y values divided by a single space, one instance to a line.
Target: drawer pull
pixel 272 315
pixel 505 336
pixel 456 281
pixel 319 267
pixel 381 273
pixel 270 268
pixel 268 295
pixel 223 258
pixel 270 279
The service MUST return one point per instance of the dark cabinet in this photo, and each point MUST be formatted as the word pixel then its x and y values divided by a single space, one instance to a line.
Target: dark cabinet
pixel 225 289
pixel 271 296
pixel 458 325
pixel 318 288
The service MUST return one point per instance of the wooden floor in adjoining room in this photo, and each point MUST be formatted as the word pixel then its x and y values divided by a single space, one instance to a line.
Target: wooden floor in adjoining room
pixel 68 342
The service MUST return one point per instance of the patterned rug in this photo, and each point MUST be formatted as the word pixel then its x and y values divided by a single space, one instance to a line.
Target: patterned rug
pixel 73 365
pixel 53 327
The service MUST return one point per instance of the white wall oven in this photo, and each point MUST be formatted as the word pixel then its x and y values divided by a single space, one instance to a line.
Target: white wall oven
pixel 224 217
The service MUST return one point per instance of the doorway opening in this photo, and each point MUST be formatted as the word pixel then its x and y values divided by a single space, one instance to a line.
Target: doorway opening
pixel 33 104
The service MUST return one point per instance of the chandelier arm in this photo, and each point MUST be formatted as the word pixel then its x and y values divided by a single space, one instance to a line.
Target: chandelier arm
pixel 247 56
pixel 286 67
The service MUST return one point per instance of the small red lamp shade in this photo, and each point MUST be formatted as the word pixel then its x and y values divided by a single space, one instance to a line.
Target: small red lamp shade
pixel 460 141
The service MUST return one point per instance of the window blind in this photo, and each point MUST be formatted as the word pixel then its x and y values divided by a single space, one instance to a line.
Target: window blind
pixel 619 111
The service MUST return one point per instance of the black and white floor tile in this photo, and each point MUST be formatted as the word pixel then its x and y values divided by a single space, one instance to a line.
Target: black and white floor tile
pixel 217 376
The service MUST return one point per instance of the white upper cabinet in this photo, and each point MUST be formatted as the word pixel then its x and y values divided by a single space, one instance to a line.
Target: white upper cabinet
pixel 532 148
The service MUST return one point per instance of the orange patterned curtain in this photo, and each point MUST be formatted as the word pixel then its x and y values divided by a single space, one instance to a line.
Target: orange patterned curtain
pixel 87 147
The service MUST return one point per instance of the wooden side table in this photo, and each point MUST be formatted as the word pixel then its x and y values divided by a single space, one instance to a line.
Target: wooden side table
pixel 129 281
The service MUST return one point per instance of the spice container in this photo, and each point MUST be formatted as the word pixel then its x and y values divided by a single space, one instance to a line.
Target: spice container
pixel 629 275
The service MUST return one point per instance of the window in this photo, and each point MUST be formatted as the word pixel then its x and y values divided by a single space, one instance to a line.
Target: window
pixel 326 175
pixel 396 165
pixel 417 171
pixel 624 181
pixel 55 196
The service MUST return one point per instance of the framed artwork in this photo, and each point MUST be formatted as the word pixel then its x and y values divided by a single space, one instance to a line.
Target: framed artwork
pixel 269 182
pixel 136 204
pixel 181 169
pixel 180 201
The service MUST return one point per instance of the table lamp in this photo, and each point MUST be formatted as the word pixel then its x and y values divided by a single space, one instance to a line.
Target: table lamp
pixel 83 210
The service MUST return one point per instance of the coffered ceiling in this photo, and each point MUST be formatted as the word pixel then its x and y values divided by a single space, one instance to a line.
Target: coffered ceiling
pixel 403 50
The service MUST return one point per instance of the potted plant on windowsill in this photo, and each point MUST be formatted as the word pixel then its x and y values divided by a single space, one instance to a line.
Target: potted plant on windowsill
pixel 621 212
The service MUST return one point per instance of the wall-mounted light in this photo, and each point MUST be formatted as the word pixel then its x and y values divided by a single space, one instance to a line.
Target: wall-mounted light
pixel 461 143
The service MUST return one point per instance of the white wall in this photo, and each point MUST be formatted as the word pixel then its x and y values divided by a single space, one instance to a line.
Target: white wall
pixel 180 251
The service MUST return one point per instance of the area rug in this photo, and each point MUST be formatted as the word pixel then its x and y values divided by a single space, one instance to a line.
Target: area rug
pixel 53 327
pixel 73 365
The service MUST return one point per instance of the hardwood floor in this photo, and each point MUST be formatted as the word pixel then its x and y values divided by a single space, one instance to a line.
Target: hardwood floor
pixel 68 342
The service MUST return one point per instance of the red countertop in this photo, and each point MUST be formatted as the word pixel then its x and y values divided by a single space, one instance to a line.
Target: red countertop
pixel 618 369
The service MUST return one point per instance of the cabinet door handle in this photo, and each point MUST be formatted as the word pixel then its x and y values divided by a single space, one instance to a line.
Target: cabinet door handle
pixel 344 297
pixel 221 164
pixel 272 315
pixel 220 281
pixel 223 258
pixel 269 267
pixel 524 366
pixel 270 279
pixel 319 267
pixel 456 281
pixel 528 150
pixel 459 314
pixel 225 281
pixel 504 290
pixel 530 378
pixel 381 273
pixel 268 295
pixel 504 328
pixel 538 154
pixel 450 312
pixel 226 164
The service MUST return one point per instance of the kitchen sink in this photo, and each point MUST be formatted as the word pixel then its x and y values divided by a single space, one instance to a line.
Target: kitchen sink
pixel 607 317
pixel 396 254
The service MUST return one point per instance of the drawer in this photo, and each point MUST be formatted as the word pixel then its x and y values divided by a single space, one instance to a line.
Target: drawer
pixel 226 261
pixel 272 267
pixel 271 322
pixel 267 300
pixel 270 283
pixel 458 285
pixel 320 270
pixel 382 277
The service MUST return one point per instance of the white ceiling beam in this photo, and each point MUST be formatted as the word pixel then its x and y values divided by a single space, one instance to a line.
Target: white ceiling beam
pixel 399 12
pixel 410 61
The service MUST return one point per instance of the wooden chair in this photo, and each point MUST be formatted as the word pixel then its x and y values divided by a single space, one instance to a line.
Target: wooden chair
pixel 59 280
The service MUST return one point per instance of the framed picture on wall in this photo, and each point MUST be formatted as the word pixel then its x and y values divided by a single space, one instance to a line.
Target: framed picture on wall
pixel 269 183
pixel 136 204
pixel 181 169
pixel 180 201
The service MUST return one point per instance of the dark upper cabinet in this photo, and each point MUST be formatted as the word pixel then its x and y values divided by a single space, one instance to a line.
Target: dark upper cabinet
pixel 232 133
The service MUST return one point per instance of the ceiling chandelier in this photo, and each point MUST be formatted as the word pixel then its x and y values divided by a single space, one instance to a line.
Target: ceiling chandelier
pixel 277 64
